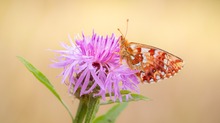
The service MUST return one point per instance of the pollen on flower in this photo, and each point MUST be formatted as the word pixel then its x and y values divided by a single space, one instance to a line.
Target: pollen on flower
pixel 92 65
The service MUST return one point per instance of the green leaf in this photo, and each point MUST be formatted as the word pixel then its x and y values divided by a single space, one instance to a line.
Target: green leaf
pixel 123 92
pixel 112 114
pixel 43 79
pixel 135 97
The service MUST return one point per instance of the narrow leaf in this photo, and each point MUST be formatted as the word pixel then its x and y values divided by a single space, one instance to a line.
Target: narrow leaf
pixel 123 92
pixel 112 114
pixel 43 79
pixel 135 97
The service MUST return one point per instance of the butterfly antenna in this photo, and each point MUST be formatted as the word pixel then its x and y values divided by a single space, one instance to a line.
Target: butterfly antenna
pixel 126 28
pixel 120 32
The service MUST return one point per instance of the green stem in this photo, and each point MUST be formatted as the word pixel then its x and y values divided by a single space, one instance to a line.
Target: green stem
pixel 81 111
pixel 93 106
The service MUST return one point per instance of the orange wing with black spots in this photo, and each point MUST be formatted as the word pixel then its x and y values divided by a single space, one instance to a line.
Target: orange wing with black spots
pixel 153 64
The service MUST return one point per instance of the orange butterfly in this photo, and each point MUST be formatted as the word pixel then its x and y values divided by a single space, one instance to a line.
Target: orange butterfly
pixel 152 63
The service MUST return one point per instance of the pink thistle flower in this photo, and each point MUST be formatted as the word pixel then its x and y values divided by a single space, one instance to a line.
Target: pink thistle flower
pixel 92 65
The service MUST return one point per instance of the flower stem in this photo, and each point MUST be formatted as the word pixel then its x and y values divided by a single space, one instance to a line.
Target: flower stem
pixel 81 111
pixel 93 106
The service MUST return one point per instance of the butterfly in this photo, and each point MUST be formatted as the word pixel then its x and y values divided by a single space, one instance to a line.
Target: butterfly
pixel 153 64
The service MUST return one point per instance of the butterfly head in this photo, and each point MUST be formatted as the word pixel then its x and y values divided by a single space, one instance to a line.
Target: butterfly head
pixel 123 44
pixel 123 41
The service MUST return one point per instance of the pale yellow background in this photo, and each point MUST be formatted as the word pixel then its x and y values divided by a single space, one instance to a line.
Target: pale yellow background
pixel 189 29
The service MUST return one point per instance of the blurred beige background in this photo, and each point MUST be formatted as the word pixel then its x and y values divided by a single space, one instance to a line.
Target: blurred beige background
pixel 188 29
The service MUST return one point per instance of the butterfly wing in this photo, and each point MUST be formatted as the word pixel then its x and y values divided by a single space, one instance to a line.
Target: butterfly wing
pixel 152 63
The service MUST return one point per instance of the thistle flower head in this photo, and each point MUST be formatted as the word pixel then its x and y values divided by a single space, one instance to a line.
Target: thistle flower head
pixel 92 65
